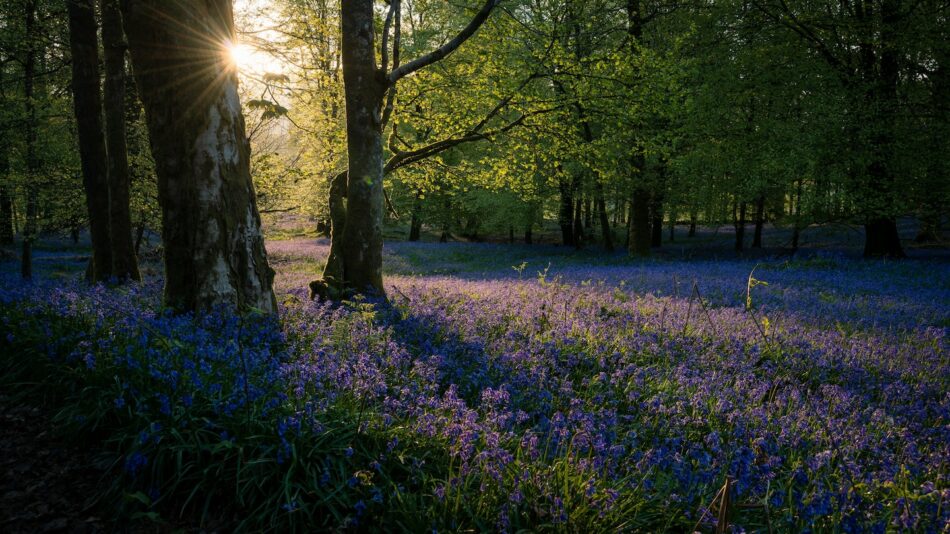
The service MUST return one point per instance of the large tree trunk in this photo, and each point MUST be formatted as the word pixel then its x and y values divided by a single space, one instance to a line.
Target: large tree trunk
pixel 881 237
pixel 124 264
pixel 211 229
pixel 32 162
pixel 362 245
pixel 87 103
pixel 759 221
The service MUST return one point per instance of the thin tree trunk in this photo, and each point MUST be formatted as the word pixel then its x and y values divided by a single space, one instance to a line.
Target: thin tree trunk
pixel 692 224
pixel 32 163
pixel 565 214
pixel 656 220
pixel 796 231
pixel 579 223
pixel 739 223
pixel 6 203
pixel 211 228
pixel 124 264
pixel 87 103
pixel 605 229
pixel 759 221
pixel 528 237
pixel 415 224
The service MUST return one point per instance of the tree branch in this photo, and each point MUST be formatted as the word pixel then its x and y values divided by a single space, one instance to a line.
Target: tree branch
pixel 446 49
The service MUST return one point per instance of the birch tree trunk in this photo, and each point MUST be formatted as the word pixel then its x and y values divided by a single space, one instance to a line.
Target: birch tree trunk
pixel 211 228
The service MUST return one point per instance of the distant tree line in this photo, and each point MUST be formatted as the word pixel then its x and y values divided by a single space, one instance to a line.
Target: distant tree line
pixel 618 119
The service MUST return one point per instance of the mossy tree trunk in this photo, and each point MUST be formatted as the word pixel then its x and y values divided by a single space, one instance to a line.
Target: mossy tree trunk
pixel 211 228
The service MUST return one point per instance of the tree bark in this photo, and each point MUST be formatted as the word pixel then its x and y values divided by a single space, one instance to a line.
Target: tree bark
pixel 528 235
pixel 6 203
pixel 87 104
pixel 415 224
pixel 124 264
pixel 211 228
pixel 565 214
pixel 32 162
pixel 605 230
pixel 739 223
pixel 656 219
pixel 364 84
pixel 333 271
pixel 578 220
pixel 639 240
pixel 759 221
pixel 882 74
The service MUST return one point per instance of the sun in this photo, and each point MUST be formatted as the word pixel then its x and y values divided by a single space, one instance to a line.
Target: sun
pixel 249 59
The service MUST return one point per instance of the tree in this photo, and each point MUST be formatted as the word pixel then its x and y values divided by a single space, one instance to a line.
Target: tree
pixel 124 264
pixel 211 230
pixel 87 103
pixel 862 42
pixel 366 88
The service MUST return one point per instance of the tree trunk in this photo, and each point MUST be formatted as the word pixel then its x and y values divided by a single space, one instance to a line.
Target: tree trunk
pixel 211 228
pixel 579 223
pixel 124 264
pixel 6 203
pixel 588 213
pixel 639 240
pixel 333 271
pixel 32 162
pixel 759 221
pixel 739 223
pixel 796 231
pixel 87 103
pixel 528 237
pixel 362 246
pixel 882 78
pixel 692 224
pixel 415 224
pixel 605 230
pixel 565 214
pixel 656 220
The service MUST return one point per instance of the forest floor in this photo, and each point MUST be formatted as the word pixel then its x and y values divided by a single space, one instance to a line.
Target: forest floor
pixel 822 302
pixel 46 483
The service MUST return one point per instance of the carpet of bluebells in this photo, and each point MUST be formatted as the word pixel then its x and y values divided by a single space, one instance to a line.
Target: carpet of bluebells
pixel 505 387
